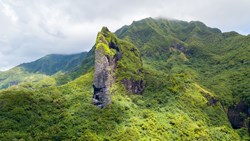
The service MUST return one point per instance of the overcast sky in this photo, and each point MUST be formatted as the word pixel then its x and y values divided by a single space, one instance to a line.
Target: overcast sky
pixel 30 29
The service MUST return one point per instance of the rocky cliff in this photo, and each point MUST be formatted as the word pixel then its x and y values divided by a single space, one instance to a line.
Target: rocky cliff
pixel 115 61
pixel 239 115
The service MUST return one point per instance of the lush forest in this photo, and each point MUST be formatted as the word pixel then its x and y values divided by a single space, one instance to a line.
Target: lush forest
pixel 197 87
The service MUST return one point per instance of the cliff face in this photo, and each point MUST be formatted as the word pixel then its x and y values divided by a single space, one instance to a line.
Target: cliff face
pixel 239 115
pixel 115 60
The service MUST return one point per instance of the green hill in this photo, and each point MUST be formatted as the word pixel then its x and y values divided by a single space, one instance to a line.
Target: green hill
pixel 54 63
pixel 196 88
pixel 49 65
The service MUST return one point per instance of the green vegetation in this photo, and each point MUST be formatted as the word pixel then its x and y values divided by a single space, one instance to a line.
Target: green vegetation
pixel 102 42
pixel 54 63
pixel 16 76
pixel 185 66
pixel 57 65
pixel 129 64
pixel 176 111
pixel 220 61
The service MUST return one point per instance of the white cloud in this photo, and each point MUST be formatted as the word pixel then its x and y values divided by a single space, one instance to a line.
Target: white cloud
pixel 31 29
pixel 8 11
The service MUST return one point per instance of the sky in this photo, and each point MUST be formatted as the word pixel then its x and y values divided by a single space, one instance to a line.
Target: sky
pixel 30 29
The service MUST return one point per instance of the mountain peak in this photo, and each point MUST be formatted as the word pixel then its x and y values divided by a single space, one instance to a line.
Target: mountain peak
pixel 105 29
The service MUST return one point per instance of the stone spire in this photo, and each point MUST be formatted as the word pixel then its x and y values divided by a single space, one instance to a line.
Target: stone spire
pixel 115 60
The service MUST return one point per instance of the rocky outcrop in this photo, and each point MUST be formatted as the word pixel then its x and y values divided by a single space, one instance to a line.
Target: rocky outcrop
pixel 106 56
pixel 211 100
pixel 115 60
pixel 134 86
pixel 239 115
pixel 179 47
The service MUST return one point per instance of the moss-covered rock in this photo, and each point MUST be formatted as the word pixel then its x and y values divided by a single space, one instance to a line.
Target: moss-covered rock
pixel 115 60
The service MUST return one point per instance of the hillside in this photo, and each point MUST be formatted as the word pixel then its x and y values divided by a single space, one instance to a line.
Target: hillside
pixel 41 68
pixel 219 60
pixel 196 88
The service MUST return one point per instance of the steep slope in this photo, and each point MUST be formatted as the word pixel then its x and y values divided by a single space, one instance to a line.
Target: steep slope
pixel 206 50
pixel 218 61
pixel 42 68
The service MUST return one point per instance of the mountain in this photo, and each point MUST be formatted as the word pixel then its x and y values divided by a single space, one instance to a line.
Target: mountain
pixel 155 79
pixel 54 63
pixel 220 60
pixel 41 68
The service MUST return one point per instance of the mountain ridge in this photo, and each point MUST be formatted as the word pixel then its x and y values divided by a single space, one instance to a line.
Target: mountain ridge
pixel 53 60
pixel 196 47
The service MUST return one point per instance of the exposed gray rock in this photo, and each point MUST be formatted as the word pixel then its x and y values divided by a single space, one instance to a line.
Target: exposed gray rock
pixel 109 58
pixel 105 65
pixel 135 87
pixel 179 47
pixel 103 78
